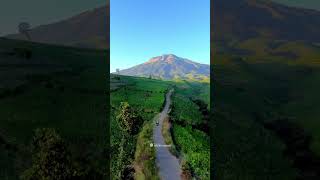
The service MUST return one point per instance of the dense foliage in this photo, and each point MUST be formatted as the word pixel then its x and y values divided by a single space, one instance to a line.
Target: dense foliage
pixel 144 97
pixel 51 160
pixel 129 120
pixel 191 139
pixel 58 87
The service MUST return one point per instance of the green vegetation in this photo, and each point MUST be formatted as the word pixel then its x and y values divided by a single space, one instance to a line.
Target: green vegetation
pixel 166 132
pixel 190 128
pixel 56 87
pixel 266 111
pixel 128 119
pixel 146 98
pixel 195 148
pixel 51 159
pixel 145 164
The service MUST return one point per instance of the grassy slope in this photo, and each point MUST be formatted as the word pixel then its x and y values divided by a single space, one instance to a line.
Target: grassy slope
pixel 261 88
pixel 193 145
pixel 73 103
pixel 147 97
pixel 242 143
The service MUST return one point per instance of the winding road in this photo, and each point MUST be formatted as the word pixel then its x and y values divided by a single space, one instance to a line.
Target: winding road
pixel 168 164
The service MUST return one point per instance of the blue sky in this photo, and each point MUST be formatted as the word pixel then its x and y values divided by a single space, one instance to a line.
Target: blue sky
pixel 142 29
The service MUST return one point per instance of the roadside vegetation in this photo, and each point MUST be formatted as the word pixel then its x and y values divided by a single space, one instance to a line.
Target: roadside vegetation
pixel 166 132
pixel 190 129
pixel 186 128
pixel 145 162
pixel 132 156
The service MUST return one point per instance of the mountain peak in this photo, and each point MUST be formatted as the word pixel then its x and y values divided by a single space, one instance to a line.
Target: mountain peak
pixel 170 66
pixel 168 58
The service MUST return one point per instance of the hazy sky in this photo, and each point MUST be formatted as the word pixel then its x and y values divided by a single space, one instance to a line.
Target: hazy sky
pixel 38 12
pixel 142 29
pixel 311 4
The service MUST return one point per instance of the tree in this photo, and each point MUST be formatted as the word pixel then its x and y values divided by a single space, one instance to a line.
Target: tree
pixel 118 71
pixel 24 29
pixel 50 159
pixel 130 121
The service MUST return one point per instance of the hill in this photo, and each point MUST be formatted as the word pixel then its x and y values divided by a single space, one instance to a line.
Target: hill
pixel 234 19
pixel 89 29
pixel 41 87
pixel 266 70
pixel 189 116
pixel 265 24
pixel 169 67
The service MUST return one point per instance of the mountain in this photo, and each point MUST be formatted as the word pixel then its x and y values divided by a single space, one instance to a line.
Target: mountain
pixel 244 19
pixel 170 66
pixel 237 21
pixel 89 29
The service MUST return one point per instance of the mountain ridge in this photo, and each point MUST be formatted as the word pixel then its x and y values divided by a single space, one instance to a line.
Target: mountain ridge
pixel 89 29
pixel 233 19
pixel 277 31
pixel 169 67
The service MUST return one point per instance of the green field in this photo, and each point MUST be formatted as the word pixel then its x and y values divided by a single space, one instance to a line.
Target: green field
pixel 191 128
pixel 52 87
pixel 266 111
pixel 146 96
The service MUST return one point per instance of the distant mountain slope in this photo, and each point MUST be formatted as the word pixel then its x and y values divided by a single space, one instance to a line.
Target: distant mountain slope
pixel 262 28
pixel 170 66
pixel 89 29
pixel 243 19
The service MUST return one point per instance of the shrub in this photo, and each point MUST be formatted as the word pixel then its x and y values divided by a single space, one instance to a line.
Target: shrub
pixel 51 160
pixel 129 120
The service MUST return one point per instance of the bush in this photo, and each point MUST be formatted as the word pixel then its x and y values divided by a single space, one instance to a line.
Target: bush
pixel 129 120
pixel 51 160
pixel 186 171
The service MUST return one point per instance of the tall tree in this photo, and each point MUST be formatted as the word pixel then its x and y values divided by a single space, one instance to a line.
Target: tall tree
pixel 130 121
pixel 50 159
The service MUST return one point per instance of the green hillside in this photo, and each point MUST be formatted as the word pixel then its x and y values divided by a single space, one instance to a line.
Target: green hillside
pixel 132 156
pixel 147 97
pixel 266 114
pixel 190 126
pixel 55 87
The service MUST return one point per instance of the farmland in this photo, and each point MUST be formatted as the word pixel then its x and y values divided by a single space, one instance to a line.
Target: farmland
pixel 45 86
pixel 147 97
pixel 266 111
pixel 191 127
